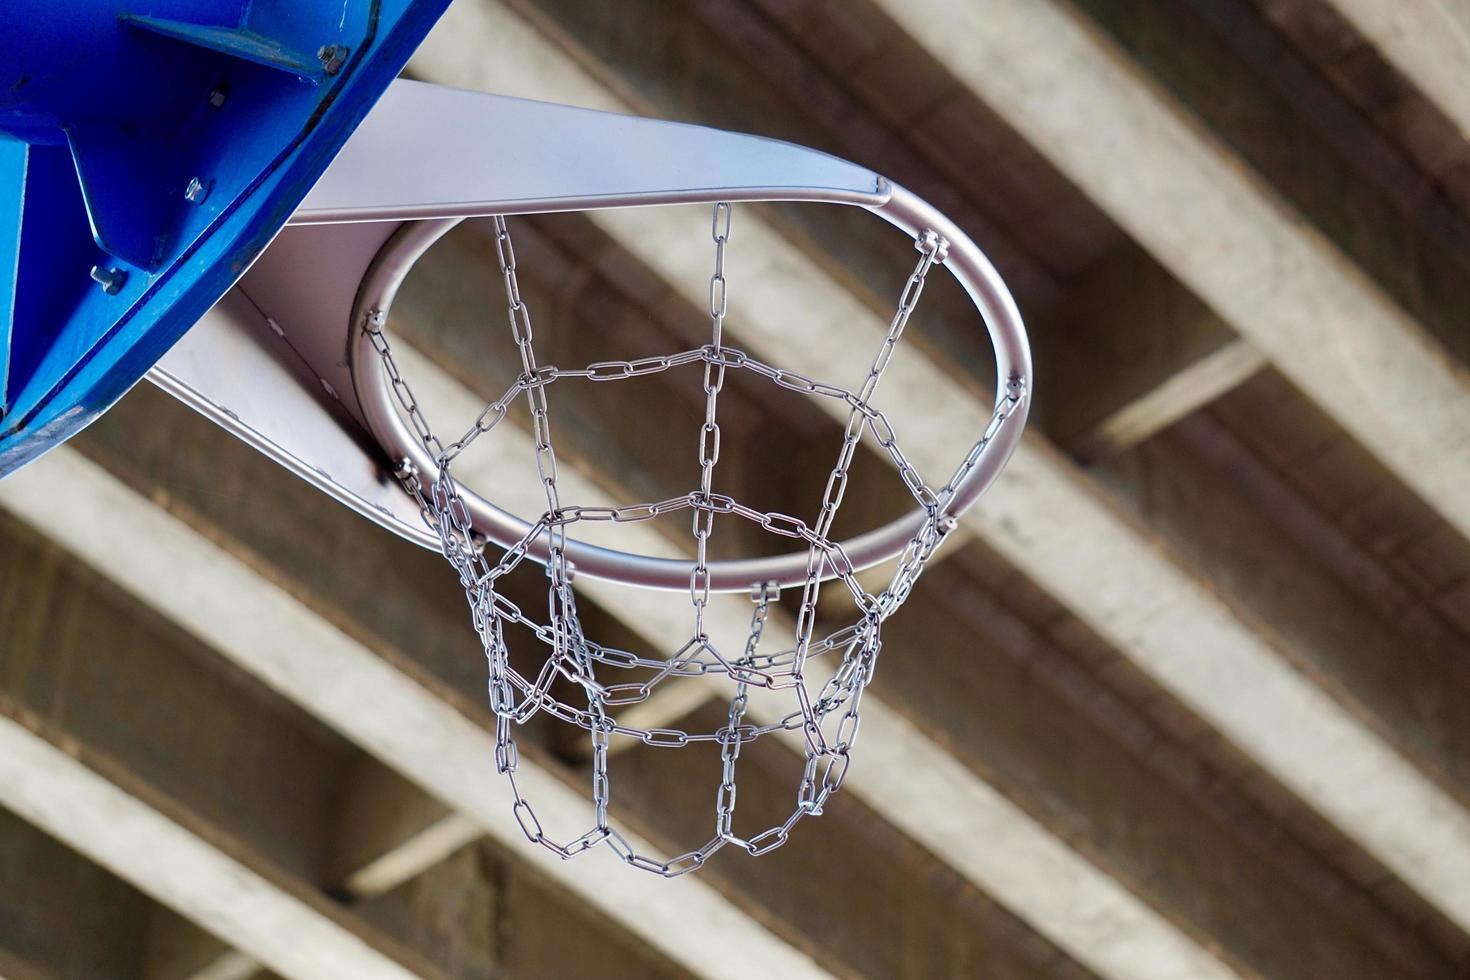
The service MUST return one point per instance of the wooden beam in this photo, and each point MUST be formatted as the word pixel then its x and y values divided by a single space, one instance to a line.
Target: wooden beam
pixel 388 832
pixel 1045 517
pixel 1238 245
pixel 1428 41
pixel 120 831
pixel 1127 353
pixel 260 628
pixel 45 932
pixel 1178 395
pixel 1110 345
pixel 1369 662
pixel 1137 782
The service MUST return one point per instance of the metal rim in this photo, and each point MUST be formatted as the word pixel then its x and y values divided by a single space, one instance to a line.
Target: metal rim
pixel 966 262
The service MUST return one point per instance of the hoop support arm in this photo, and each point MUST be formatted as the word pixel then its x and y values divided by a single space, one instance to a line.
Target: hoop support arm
pixel 425 158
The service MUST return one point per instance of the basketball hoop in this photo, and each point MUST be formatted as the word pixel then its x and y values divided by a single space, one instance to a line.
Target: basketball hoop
pixel 484 542
pixel 240 288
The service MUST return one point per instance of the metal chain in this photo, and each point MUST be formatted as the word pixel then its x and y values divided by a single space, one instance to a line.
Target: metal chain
pixel 709 433
pixel 829 722
pixel 931 249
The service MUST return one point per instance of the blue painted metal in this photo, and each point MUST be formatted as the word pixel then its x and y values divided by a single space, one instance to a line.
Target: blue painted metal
pixel 116 110
pixel 12 174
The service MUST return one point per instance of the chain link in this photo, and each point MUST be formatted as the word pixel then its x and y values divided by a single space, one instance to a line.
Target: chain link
pixel 829 722
pixel 709 433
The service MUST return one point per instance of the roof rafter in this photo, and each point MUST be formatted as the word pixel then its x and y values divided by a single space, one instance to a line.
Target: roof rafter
pixel 257 626
pixel 70 801
pixel 1428 41
pixel 1237 244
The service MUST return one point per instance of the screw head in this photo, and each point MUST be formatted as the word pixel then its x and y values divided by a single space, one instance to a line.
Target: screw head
pixel 110 278
pixel 332 57
pixel 196 191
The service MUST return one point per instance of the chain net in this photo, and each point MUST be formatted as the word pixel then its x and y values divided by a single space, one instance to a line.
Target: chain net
pixel 826 714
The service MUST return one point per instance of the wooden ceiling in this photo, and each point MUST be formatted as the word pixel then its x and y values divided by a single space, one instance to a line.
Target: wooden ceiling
pixel 1188 697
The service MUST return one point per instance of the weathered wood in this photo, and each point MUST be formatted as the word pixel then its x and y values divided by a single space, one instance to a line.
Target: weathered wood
pixel 1238 245
pixel 1129 352
pixel 45 930
pixel 1429 42
pixel 1015 690
pixel 119 828
pixel 1378 90
pixel 1347 647
pixel 258 627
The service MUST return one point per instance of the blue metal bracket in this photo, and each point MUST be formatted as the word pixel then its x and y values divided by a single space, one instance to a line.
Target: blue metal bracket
pixel 237 42
pixel 150 158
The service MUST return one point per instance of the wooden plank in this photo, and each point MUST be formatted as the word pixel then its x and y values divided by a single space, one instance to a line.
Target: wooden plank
pixel 1428 41
pixel 1092 748
pixel 260 628
pixel 1128 352
pixel 1238 245
pixel 1113 341
pixel 1045 517
pixel 1178 395
pixel 389 831
pixel 45 931
pixel 70 801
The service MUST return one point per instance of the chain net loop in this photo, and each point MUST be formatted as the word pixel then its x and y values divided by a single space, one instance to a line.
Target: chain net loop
pixel 827 720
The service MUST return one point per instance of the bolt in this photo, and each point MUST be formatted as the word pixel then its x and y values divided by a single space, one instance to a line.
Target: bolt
pixel 217 96
pixel 111 279
pixel 332 57
pixel 196 191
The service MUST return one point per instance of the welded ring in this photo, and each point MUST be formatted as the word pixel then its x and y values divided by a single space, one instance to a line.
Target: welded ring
pixel 965 261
